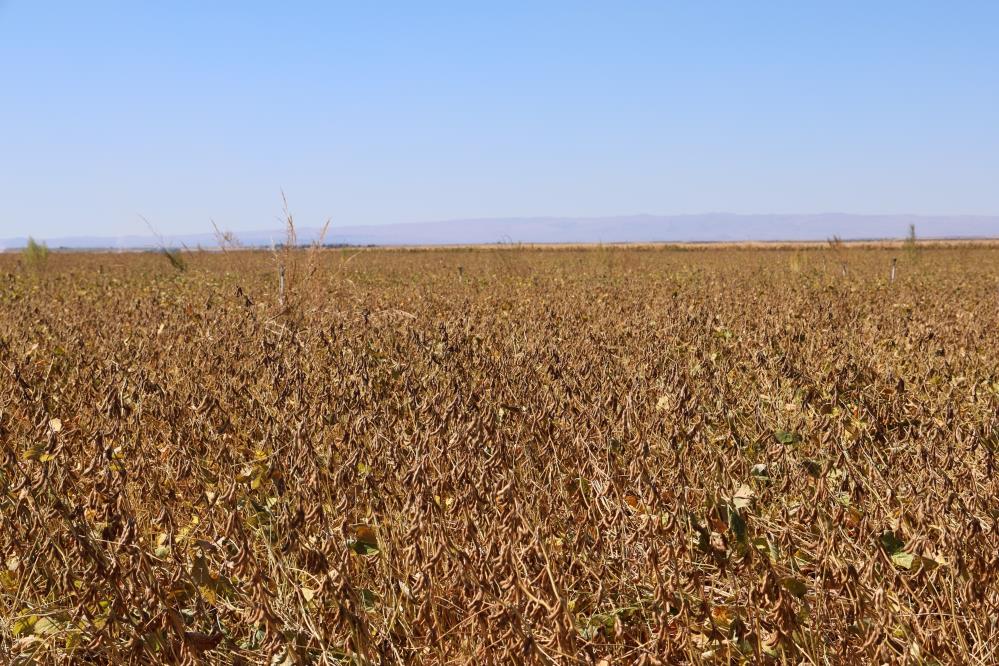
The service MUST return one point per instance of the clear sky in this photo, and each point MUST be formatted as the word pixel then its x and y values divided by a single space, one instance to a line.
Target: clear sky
pixel 377 112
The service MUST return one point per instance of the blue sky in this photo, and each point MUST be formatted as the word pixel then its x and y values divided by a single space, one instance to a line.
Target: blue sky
pixel 374 113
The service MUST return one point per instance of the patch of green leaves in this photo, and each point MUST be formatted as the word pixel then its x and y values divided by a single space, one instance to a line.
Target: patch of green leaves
pixel 787 438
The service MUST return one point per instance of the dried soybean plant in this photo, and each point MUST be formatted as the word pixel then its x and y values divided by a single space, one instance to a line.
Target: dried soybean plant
pixel 173 255
pixel 296 267
pixel 691 458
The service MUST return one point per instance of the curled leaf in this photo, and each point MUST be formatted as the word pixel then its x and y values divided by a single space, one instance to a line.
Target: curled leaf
pixel 363 541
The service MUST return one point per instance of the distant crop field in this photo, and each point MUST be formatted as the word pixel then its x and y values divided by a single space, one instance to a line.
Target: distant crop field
pixel 501 456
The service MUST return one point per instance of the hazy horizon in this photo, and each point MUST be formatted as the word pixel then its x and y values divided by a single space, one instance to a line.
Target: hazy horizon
pixel 191 112
pixel 711 227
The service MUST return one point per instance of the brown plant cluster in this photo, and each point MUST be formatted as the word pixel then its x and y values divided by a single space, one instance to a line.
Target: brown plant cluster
pixel 501 456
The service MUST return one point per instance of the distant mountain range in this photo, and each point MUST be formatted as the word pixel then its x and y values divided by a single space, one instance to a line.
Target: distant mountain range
pixel 709 227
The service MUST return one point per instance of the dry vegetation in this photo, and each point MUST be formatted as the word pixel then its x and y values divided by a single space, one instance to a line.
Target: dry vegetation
pixel 565 456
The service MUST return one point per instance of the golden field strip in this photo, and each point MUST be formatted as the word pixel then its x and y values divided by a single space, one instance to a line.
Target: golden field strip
pixel 570 455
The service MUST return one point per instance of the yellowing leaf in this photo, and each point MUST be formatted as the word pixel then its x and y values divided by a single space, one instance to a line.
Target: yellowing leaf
pixel 24 626
pixel 45 627
pixel 723 616
pixel 210 586
pixel 35 452
pixel 905 560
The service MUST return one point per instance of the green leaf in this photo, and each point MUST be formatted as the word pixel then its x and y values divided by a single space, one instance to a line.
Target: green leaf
pixel 765 547
pixel 787 438
pixel 891 543
pixel 737 524
pixel 813 467
pixel 368 598
pixel 363 548
pixel 795 586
